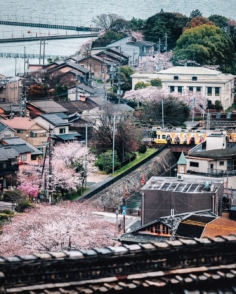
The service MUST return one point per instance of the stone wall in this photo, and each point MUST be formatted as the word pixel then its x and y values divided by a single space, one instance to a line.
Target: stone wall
pixel 157 166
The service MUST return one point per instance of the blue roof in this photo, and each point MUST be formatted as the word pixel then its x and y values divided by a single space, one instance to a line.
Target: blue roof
pixel 68 137
pixel 2 127
pixel 55 120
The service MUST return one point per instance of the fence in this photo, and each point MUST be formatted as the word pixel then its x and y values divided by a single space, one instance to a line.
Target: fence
pixel 109 181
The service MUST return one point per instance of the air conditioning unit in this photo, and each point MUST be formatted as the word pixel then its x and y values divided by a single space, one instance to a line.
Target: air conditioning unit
pixel 180 177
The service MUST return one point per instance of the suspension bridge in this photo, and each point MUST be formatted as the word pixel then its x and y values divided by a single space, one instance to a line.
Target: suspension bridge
pixel 49 26
pixel 29 56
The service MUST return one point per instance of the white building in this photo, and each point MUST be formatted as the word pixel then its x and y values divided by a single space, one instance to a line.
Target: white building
pixel 214 157
pixel 213 84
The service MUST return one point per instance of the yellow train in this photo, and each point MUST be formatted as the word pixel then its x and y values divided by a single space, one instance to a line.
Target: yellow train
pixel 185 137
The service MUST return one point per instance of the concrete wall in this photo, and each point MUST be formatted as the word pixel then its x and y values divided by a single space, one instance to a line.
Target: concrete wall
pixel 111 197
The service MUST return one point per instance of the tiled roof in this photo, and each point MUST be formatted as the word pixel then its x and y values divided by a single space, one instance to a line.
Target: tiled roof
pixel 68 137
pixel 7 153
pixel 54 119
pixel 184 266
pixel 48 106
pixel 23 123
pixel 17 143
pixel 78 106
pixel 7 107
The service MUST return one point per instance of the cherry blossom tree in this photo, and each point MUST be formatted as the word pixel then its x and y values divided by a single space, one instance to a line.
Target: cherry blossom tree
pixel 59 227
pixel 138 36
pixel 147 95
pixel 29 189
pixel 85 47
pixel 68 161
pixel 155 62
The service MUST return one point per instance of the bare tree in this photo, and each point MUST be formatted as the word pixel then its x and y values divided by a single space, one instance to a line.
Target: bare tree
pixel 126 134
pixel 104 21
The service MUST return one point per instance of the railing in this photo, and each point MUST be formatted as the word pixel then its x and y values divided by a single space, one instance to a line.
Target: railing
pixel 109 181
pixel 220 172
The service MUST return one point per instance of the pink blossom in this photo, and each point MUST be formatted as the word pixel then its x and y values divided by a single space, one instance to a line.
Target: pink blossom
pixel 138 36
pixel 155 63
pixel 48 228
pixel 29 189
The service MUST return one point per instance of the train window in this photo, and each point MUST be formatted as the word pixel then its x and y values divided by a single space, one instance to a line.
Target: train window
pixel 163 136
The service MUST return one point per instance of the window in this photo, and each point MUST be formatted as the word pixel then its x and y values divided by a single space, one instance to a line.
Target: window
pixel 4 165
pixel 194 164
pixel 24 157
pixel 163 136
pixel 190 88
pixel 172 89
pixel 33 135
pixel 176 78
pixel 217 91
pixel 19 131
pixel 40 149
pixel 33 157
pixel 222 163
pixel 180 89
pixel 62 131
pixel 194 78
pixel 209 91
pixel 198 89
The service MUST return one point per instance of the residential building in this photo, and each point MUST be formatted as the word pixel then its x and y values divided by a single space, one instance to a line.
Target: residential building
pixel 212 84
pixel 135 49
pixel 78 106
pixel 161 196
pixel 10 89
pixel 58 126
pixel 30 131
pixel 9 158
pixel 6 131
pixel 27 153
pixel 98 67
pixel 214 157
pixel 38 107
pixel 9 110
pixel 190 225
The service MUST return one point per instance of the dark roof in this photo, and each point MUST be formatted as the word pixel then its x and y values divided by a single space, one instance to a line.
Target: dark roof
pixel 67 137
pixel 7 107
pixel 96 58
pixel 78 106
pixel 2 127
pixel 62 115
pixel 193 226
pixel 55 120
pixel 18 144
pixel 77 67
pixel 183 266
pixel 117 51
pixel 47 106
pixel 215 154
pixel 86 88
pixel 7 153
pixel 141 43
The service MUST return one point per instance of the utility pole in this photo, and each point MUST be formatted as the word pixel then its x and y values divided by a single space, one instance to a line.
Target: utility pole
pixel 86 159
pixel 113 145
pixel 24 59
pixel 123 212
pixel 119 83
pixel 76 88
pixel 166 41
pixel 40 44
pixel 15 66
pixel 11 114
pixel 162 112
pixel 44 51
pixel 50 188
pixel 159 55
pixel 193 111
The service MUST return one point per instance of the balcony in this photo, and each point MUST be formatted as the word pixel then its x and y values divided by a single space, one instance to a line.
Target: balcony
pixel 220 173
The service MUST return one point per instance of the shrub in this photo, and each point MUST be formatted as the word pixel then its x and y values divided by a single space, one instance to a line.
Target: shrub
pixel 12 196
pixel 142 148
pixel 104 161
pixel 156 82
pixel 23 205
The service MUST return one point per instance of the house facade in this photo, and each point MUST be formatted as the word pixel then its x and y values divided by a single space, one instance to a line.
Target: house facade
pixel 30 131
pixel 10 89
pixel 6 131
pixel 212 84
pixel 215 157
